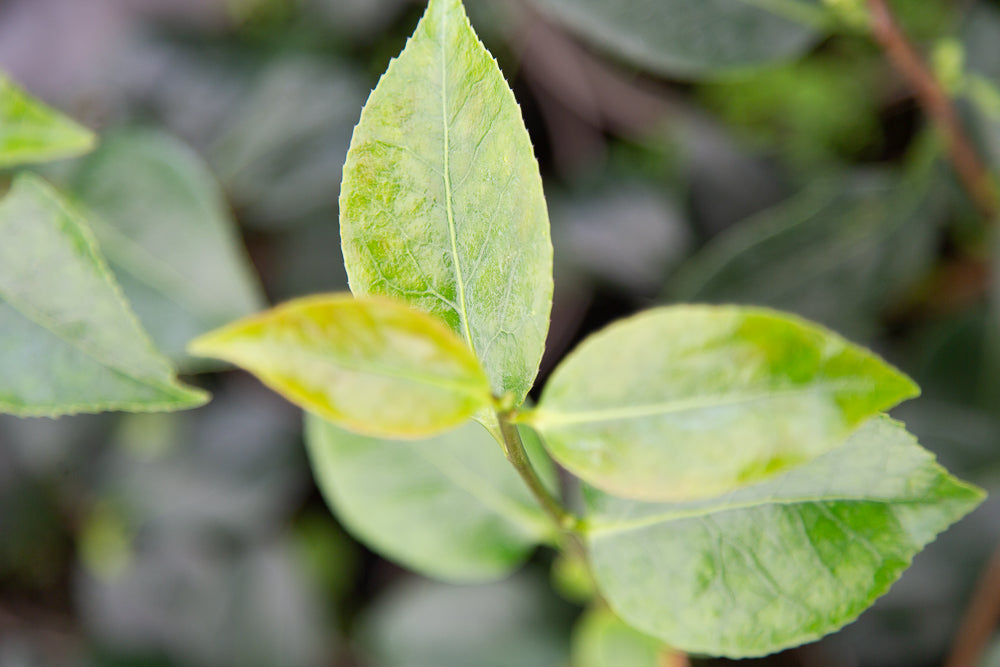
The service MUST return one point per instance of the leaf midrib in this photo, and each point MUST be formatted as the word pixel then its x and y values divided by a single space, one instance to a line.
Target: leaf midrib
pixel 470 388
pixel 449 208
pixel 603 529
pixel 542 418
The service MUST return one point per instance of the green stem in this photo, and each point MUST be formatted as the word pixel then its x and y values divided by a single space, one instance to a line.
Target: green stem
pixel 516 454
pixel 567 523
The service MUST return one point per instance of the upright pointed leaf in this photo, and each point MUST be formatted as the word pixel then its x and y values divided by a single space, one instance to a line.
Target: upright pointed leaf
pixel 693 401
pixel 781 563
pixel 450 507
pixel 371 365
pixel 163 225
pixel 68 341
pixel 442 202
pixel 32 132
pixel 694 37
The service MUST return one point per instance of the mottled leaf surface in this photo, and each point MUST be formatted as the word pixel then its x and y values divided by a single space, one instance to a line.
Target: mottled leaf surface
pixel 450 507
pixel 685 402
pixel 32 132
pixel 165 229
pixel 780 563
pixel 442 202
pixel 371 365
pixel 694 37
pixel 68 341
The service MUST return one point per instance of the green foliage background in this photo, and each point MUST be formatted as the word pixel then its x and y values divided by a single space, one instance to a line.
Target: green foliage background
pixel 809 182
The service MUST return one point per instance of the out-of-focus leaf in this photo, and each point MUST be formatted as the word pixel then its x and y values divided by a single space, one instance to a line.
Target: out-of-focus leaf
pixel 628 237
pixel 695 37
pixel 450 507
pixel 811 111
pixel 779 563
pixel 688 402
pixel 283 144
pixel 442 202
pixel 420 624
pixel 839 253
pixel 68 339
pixel 372 365
pixel 601 639
pixel 166 232
pixel 207 606
pixel 32 132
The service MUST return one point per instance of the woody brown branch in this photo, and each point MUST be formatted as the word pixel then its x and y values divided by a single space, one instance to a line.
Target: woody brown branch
pixel 975 177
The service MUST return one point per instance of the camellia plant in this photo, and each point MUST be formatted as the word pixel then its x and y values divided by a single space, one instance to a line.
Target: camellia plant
pixel 742 489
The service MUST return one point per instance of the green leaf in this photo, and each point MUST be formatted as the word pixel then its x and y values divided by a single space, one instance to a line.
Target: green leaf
pixel 781 563
pixel 840 252
pixel 163 224
pixel 32 132
pixel 442 202
pixel 68 341
pixel 692 401
pixel 601 639
pixel 450 507
pixel 695 37
pixel 371 365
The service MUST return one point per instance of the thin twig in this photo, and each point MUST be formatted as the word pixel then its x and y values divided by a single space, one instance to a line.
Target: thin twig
pixel 980 620
pixel 968 165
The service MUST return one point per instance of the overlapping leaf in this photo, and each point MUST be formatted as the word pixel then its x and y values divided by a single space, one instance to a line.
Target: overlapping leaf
pixel 601 639
pixel 693 401
pixel 32 132
pixel 450 507
pixel 694 37
pixel 163 225
pixel 372 365
pixel 442 202
pixel 68 341
pixel 780 563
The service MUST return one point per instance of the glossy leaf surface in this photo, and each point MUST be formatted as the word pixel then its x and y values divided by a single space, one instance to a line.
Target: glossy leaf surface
pixel 692 401
pixel 68 340
pixel 780 563
pixel 442 202
pixel 694 37
pixel 32 132
pixel 371 365
pixel 164 227
pixel 450 507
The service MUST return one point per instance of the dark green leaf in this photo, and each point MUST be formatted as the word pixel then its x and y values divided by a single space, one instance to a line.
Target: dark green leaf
pixel 695 37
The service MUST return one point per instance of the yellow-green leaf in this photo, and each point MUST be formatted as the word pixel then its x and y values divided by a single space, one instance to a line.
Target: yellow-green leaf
pixel 373 366
pixel 442 203
pixel 693 401
pixel 32 132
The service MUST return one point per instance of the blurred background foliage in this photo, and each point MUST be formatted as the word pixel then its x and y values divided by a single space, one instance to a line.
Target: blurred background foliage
pixel 693 150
